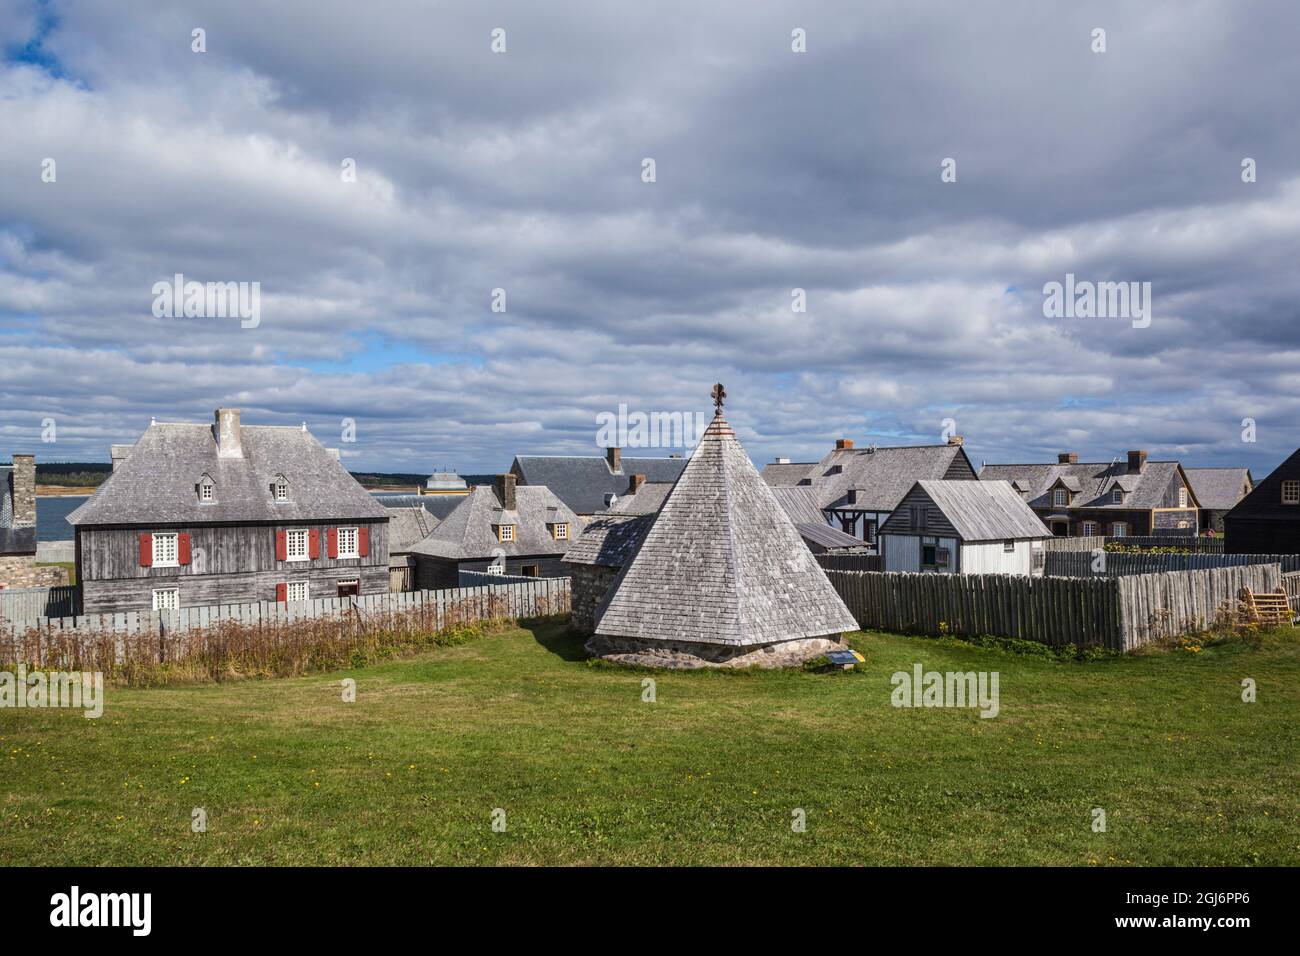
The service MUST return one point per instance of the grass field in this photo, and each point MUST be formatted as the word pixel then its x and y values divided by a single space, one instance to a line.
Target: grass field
pixel 709 773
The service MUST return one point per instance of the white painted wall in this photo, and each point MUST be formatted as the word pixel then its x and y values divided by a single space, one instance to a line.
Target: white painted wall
pixel 902 552
pixel 990 558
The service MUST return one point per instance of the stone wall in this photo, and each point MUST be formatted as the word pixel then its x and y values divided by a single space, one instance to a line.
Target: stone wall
pixel 687 655
pixel 590 584
pixel 24 491
pixel 21 572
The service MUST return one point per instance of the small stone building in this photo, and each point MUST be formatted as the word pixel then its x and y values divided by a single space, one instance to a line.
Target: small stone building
pixel 18 523
pixel 717 577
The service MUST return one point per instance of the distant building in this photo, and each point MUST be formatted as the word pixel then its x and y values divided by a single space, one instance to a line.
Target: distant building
pixel 1217 491
pixel 1126 496
pixel 445 483
pixel 857 489
pixel 1267 521
pixel 499 529
pixel 962 527
pixel 18 522
pixel 227 513
pixel 591 484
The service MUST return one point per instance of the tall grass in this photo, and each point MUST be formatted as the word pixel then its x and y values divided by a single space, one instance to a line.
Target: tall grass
pixel 233 650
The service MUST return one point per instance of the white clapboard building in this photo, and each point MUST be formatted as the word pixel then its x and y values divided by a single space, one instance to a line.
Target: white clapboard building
pixel 962 527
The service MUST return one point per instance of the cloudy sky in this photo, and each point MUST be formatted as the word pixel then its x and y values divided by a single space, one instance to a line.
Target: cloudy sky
pixel 774 170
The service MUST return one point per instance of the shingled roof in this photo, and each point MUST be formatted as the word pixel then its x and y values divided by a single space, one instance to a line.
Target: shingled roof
pixel 583 481
pixel 407 526
pixel 14 539
pixel 1219 489
pixel 157 482
pixel 609 540
pixel 977 510
pixel 722 563
pixel 469 533
pixel 1092 483
pixel 879 476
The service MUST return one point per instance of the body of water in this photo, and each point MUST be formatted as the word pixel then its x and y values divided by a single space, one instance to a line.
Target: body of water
pixel 50 515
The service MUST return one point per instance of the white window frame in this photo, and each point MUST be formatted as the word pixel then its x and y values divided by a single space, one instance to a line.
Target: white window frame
pixel 494 568
pixel 292 553
pixel 505 532
pixel 281 490
pixel 1292 486
pixel 1089 529
pixel 1182 497
pixel 1119 529
pixel 354 548
pixel 1008 547
pixel 170 599
pixel 296 587
pixel 561 531
pixel 207 492
pixel 1117 496
pixel 166 550
pixel 1060 498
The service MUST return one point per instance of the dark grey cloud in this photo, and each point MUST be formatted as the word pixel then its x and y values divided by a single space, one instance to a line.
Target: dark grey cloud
pixel 775 170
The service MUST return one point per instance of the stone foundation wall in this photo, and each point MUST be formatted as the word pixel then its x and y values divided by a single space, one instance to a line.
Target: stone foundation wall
pixel 22 572
pixel 589 585
pixel 686 655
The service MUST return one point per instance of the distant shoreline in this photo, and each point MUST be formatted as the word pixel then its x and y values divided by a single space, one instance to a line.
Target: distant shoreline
pixel 63 491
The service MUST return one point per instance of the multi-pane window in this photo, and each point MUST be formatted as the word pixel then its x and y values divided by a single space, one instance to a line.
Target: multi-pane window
pixel 166 599
pixel 205 491
pixel 281 491
pixel 164 551
pixel 506 532
pixel 1119 529
pixel 1182 497
pixel 1291 492
pixel 348 543
pixel 561 531
pixel 296 591
pixel 1060 498
pixel 1089 529
pixel 1008 546
pixel 295 541
pixel 1117 496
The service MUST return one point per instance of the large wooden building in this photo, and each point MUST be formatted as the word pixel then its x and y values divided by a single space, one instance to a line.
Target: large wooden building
pixel 1267 521
pixel 1126 496
pixel 227 513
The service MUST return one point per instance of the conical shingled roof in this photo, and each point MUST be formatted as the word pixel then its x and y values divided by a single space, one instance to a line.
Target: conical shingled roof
pixel 722 564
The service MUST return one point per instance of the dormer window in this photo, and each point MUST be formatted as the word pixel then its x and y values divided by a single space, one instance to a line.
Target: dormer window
pixel 1060 497
pixel 505 532
pixel 852 496
pixel 280 488
pixel 207 490
pixel 1117 496
pixel 560 530
pixel 835 469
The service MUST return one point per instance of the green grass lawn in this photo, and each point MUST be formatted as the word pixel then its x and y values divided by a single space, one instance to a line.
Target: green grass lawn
pixel 710 773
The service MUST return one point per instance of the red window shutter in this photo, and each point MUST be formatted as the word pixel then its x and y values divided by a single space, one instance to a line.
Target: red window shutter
pixel 281 546
pixel 146 550
pixel 334 542
pixel 313 543
pixel 282 591
pixel 363 541
pixel 182 549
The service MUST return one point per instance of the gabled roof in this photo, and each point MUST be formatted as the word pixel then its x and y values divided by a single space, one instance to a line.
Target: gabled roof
pixel 722 564
pixel 155 483
pixel 609 540
pixel 800 505
pixel 1095 481
pixel 469 532
pixel 583 481
pixel 786 473
pixel 978 510
pixel 407 526
pixel 647 500
pixel 1219 489
pixel 880 476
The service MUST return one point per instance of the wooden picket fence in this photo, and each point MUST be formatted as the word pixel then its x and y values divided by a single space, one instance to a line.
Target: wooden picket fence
pixel 1083 564
pixel 1120 613
pixel 23 604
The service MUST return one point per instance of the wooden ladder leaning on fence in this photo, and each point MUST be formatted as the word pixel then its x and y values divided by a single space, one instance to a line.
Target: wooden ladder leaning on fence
pixel 1267 607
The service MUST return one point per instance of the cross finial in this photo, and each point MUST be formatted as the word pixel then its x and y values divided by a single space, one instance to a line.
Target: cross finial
pixel 719 396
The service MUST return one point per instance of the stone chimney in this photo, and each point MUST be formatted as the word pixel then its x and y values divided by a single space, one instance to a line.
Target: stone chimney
pixel 842 444
pixel 1067 458
pixel 24 490
pixel 635 484
pixel 956 440
pixel 1136 461
pixel 615 458
pixel 118 453
pixel 504 485
pixel 226 429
